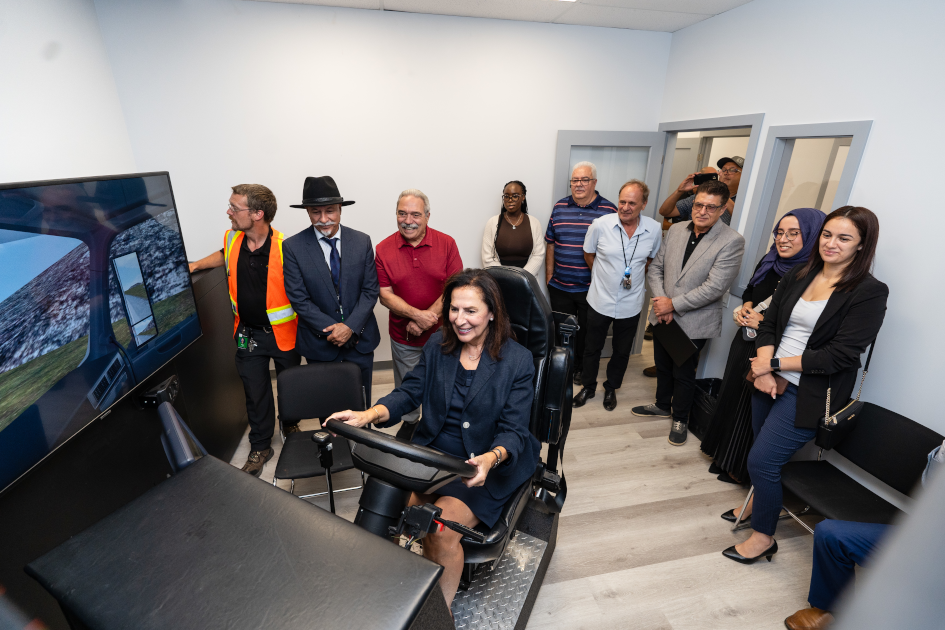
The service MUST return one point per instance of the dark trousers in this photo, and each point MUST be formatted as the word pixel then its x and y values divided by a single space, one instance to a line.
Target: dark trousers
pixel 363 361
pixel 253 368
pixel 838 545
pixel 675 384
pixel 776 441
pixel 624 332
pixel 572 304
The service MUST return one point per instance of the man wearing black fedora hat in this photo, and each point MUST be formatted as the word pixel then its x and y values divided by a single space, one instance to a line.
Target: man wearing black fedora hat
pixel 331 280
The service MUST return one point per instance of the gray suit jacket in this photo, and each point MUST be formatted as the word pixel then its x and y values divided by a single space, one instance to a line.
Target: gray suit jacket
pixel 697 290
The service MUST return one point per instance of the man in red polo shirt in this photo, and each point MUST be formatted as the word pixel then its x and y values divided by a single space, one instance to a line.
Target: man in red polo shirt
pixel 413 264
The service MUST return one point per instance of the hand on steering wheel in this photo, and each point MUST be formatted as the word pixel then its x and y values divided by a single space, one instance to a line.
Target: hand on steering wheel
pixel 354 418
pixel 483 465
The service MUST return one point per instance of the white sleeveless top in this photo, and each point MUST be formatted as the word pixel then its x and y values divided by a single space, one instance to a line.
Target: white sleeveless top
pixel 794 341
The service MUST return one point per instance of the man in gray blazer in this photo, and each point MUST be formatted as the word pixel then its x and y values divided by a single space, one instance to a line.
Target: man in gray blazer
pixel 694 268
pixel 331 281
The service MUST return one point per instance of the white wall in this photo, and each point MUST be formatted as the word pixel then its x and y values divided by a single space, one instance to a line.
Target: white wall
pixel 59 113
pixel 220 92
pixel 811 61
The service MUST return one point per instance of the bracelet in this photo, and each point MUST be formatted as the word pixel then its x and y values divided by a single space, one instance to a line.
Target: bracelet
pixel 498 456
pixel 377 414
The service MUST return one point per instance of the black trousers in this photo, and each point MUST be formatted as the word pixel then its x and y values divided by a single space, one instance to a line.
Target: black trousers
pixel 624 332
pixel 572 304
pixel 675 385
pixel 363 361
pixel 253 368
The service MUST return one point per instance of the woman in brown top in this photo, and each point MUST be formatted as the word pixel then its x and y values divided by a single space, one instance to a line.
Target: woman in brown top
pixel 513 238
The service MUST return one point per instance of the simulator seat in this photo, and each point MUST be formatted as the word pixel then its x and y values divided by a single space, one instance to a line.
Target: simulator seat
pixel 534 325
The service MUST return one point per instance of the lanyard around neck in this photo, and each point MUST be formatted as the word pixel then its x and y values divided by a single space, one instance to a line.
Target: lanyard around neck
pixel 626 265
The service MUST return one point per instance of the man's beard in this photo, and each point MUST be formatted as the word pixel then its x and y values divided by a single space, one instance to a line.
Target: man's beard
pixel 325 228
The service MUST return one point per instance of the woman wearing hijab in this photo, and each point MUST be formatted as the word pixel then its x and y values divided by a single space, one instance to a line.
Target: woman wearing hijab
pixel 729 436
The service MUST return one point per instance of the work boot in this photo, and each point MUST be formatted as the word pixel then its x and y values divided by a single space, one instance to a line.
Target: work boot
pixel 809 619
pixel 610 399
pixel 678 434
pixel 582 397
pixel 650 410
pixel 256 460
pixel 650 371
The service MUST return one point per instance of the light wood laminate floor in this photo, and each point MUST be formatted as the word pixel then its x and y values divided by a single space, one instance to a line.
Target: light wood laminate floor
pixel 640 538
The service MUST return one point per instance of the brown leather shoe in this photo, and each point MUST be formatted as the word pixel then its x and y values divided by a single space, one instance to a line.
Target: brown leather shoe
pixel 809 619
pixel 650 371
pixel 256 460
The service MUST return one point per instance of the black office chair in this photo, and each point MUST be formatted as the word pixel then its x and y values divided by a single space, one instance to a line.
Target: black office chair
pixel 550 338
pixel 316 390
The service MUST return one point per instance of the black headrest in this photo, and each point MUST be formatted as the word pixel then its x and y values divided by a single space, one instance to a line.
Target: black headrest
pixel 527 307
pixel 891 447
pixel 318 390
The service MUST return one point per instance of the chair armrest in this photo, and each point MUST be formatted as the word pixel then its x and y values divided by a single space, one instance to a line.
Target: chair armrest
pixel 557 394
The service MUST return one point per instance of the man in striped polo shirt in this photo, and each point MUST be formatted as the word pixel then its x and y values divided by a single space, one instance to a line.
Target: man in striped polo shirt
pixel 568 275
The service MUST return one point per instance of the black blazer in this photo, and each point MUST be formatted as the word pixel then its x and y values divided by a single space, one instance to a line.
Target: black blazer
pixel 850 322
pixel 498 407
pixel 312 293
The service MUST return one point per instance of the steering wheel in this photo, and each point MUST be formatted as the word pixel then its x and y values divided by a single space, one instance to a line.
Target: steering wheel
pixel 402 448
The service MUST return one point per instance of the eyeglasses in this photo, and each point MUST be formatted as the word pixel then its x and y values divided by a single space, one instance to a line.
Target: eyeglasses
pixel 582 180
pixel 790 235
pixel 706 207
pixel 234 209
pixel 512 197
pixel 730 171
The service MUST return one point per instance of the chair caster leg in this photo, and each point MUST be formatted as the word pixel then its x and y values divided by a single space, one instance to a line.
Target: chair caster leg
pixel 466 579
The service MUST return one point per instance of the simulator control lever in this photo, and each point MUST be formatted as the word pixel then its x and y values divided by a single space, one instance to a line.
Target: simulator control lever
pixel 326 459
pixel 419 520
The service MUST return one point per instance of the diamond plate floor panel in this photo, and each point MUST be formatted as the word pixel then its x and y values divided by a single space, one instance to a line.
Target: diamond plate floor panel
pixel 495 598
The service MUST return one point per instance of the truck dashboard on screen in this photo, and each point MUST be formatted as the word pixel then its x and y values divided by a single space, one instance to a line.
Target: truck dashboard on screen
pixel 95 296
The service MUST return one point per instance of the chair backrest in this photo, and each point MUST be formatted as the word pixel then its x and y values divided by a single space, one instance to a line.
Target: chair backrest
pixel 534 328
pixel 891 447
pixel 318 390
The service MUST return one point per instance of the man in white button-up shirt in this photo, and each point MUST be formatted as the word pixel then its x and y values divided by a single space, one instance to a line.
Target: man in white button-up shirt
pixel 617 248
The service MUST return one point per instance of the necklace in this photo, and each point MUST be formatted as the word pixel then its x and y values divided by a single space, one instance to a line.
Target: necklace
pixel 514 225
pixel 473 357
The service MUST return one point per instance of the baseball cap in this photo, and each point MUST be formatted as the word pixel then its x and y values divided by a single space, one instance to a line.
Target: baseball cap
pixel 739 161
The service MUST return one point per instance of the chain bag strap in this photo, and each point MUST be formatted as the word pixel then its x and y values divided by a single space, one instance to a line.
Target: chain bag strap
pixel 834 427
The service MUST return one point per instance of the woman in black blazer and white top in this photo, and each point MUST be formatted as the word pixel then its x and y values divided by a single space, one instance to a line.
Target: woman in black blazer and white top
pixel 822 317
pixel 476 385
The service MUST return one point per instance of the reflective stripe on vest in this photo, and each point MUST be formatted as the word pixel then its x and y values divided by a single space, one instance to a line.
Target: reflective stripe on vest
pixel 227 252
pixel 280 314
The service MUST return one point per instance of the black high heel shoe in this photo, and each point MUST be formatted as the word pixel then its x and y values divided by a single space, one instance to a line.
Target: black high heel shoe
pixel 731 554
pixel 731 518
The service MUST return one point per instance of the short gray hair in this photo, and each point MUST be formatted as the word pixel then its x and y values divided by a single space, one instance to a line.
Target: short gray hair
pixel 413 192
pixel 644 189
pixel 590 165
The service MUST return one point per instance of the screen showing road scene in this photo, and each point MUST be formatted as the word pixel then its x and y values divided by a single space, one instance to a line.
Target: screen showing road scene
pixel 94 298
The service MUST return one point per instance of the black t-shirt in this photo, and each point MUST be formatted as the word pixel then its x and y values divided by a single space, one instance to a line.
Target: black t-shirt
pixel 694 240
pixel 252 271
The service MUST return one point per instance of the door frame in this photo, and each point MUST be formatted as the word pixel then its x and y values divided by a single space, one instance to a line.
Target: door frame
pixel 773 168
pixel 655 140
pixel 754 121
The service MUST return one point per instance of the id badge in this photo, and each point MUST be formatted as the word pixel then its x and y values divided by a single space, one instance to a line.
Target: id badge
pixel 242 341
pixel 627 279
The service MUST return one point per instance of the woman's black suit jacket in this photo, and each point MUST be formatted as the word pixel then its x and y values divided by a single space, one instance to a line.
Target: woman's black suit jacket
pixel 497 410
pixel 849 323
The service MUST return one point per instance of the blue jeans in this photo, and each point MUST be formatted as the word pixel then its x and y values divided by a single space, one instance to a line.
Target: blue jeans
pixel 776 441
pixel 838 545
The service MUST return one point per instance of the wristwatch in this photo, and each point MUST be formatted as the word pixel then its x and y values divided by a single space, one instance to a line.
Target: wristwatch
pixel 775 365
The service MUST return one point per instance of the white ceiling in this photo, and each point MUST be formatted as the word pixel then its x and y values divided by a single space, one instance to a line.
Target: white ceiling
pixel 644 15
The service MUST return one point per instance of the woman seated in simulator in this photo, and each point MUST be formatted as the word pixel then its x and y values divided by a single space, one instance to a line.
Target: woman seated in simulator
pixel 823 316
pixel 513 237
pixel 728 438
pixel 476 387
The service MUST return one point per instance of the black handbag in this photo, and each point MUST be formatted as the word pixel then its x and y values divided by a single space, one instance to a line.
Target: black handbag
pixel 834 428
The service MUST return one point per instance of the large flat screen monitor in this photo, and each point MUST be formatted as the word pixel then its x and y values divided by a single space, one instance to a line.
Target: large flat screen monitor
pixel 95 296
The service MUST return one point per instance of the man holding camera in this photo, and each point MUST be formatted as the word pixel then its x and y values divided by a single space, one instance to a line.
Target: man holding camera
pixel 679 204
pixel 331 280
